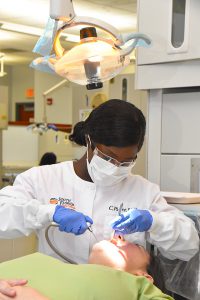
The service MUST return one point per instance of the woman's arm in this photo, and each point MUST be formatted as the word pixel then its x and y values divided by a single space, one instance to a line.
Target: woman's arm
pixel 20 212
pixel 24 293
pixel 172 232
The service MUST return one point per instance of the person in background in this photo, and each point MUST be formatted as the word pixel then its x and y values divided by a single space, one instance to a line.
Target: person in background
pixel 76 194
pixel 48 158
pixel 117 269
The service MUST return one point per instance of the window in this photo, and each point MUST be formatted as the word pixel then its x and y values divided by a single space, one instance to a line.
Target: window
pixel 124 89
pixel 178 23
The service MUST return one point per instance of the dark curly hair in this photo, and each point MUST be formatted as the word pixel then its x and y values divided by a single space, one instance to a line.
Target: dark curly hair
pixel 114 123
pixel 48 158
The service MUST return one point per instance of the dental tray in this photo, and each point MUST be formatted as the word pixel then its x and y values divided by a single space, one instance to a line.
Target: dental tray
pixel 181 198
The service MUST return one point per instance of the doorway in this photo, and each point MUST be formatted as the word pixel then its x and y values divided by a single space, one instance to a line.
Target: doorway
pixel 24 111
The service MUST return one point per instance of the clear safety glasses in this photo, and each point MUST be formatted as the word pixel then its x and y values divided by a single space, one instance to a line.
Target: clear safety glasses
pixel 113 160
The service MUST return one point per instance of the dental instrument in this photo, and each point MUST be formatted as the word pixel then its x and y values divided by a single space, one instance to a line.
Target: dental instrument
pixel 91 230
pixel 114 234
pixel 56 250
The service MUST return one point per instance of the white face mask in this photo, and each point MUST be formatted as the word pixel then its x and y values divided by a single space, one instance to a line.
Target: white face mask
pixel 104 173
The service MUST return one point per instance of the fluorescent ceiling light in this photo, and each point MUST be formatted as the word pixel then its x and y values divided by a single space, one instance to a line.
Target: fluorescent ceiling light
pixel 34 31
pixel 5 36
pixel 21 28
pixel 2 56
pixel 120 19
pixel 2 74
pixel 35 12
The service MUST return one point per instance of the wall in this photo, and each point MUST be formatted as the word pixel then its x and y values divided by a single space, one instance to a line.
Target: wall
pixel 56 142
pixel 61 110
pixel 20 147
pixel 67 102
pixel 11 249
pixel 22 78
pixel 7 81
pixel 17 79
pixel 82 98
pixel 1 158
pixel 138 98
pixel 130 69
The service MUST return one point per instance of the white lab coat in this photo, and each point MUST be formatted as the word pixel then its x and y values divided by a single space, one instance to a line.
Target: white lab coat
pixel 29 206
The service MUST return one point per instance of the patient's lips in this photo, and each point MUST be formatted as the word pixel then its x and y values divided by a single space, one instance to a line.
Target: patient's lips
pixel 116 239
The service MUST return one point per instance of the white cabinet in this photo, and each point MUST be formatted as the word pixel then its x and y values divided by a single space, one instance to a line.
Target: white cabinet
pixel 173 60
pixel 176 172
pixel 174 139
pixel 180 142
pixel 168 75
pixel 173 26
pixel 170 70
pixel 181 122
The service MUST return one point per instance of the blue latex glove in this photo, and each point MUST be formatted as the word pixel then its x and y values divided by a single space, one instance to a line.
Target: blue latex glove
pixel 70 220
pixel 134 220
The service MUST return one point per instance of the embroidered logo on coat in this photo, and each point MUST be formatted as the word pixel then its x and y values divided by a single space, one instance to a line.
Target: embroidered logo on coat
pixel 68 203
pixel 115 208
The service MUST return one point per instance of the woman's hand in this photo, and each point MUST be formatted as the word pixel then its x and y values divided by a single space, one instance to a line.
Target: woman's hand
pixel 134 220
pixel 25 293
pixel 71 221
pixel 7 287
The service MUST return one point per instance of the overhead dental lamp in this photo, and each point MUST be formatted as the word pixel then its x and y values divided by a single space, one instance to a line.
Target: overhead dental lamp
pixel 94 59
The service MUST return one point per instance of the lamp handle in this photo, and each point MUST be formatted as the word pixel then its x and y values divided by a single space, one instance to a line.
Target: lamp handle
pixel 115 34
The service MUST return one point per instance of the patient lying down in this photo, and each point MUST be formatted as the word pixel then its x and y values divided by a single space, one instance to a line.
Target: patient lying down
pixel 117 270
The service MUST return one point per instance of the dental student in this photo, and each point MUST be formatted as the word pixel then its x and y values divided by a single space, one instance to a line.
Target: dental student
pixel 76 194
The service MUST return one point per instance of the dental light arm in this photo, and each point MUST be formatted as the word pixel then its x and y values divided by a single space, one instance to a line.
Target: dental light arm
pixel 62 10
pixel 43 126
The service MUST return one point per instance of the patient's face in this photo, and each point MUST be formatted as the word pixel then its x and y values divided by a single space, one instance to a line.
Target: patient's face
pixel 120 255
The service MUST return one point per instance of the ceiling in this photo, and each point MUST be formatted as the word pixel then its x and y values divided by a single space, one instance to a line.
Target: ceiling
pixel 18 46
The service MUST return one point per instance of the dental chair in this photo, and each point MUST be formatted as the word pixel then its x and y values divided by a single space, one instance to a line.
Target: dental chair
pixel 178 278
pixel 60 281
